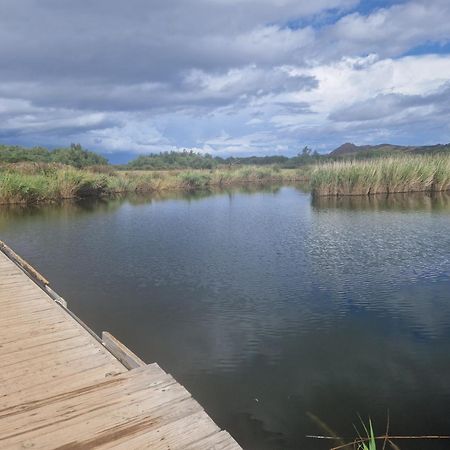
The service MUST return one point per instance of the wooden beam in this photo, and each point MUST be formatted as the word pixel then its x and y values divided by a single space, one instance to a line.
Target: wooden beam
pixel 22 263
pixel 121 352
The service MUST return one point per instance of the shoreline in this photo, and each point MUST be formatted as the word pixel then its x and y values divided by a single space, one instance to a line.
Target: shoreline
pixel 30 185
pixel 27 184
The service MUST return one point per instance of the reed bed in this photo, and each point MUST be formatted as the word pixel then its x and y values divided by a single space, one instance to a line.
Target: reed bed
pixel 34 183
pixel 415 173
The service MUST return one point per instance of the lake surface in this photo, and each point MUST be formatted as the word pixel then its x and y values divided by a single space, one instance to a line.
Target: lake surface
pixel 278 312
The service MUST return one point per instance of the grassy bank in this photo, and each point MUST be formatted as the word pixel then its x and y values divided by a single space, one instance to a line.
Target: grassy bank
pixel 25 183
pixel 33 183
pixel 380 176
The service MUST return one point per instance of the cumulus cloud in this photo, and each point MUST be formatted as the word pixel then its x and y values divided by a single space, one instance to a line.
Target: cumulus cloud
pixel 371 99
pixel 391 31
pixel 225 76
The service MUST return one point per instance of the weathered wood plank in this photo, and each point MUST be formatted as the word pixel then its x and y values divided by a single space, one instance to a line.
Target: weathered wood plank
pixel 45 352
pixel 122 353
pixel 21 262
pixel 116 391
pixel 33 320
pixel 176 434
pixel 38 342
pixel 92 419
pixel 66 358
pixel 217 441
pixel 94 372
pixel 42 375
pixel 21 333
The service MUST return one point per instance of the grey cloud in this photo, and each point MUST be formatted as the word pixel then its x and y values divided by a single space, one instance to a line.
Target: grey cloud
pixel 155 56
pixel 109 48
pixel 146 40
pixel 385 106
pixel 196 91
pixel 294 107
pixel 58 123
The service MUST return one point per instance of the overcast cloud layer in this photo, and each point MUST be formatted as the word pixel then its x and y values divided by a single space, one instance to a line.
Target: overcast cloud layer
pixel 224 76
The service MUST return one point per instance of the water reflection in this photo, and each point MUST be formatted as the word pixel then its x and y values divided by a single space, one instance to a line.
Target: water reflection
pixel 110 204
pixel 266 304
pixel 418 201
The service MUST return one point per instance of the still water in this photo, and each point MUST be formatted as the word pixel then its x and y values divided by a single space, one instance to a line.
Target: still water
pixel 281 314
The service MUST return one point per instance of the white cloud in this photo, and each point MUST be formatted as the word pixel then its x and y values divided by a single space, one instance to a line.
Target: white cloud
pixel 356 81
pixel 344 82
pixel 390 31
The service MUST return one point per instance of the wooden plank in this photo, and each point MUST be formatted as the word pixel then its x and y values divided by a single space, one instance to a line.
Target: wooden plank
pixel 217 441
pixel 42 376
pixel 25 299
pixel 22 263
pixel 38 342
pixel 35 309
pixel 73 419
pixel 94 372
pixel 122 353
pixel 18 295
pixel 111 391
pixel 55 350
pixel 176 434
pixel 74 350
pixel 9 334
pixel 128 422
pixel 25 332
pixel 25 302
pixel 33 319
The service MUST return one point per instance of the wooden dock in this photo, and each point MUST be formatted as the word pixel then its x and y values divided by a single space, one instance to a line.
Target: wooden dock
pixel 62 387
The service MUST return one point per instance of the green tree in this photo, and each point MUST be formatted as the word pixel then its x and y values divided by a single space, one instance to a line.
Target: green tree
pixel 78 157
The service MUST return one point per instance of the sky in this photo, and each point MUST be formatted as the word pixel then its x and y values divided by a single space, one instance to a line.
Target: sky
pixel 226 77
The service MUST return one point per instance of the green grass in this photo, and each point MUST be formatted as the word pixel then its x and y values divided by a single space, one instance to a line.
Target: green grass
pixel 49 184
pixel 369 443
pixel 41 182
pixel 412 173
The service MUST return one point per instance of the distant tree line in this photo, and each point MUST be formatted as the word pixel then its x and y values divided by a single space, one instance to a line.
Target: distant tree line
pixel 193 160
pixel 79 157
pixel 74 155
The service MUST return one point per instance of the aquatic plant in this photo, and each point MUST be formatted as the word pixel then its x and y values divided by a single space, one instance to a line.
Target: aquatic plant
pixel 370 439
pixel 369 442
pixel 194 180
pixel 40 182
pixel 412 173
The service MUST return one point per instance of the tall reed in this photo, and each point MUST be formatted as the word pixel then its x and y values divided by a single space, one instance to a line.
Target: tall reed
pixel 410 173
pixel 32 183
